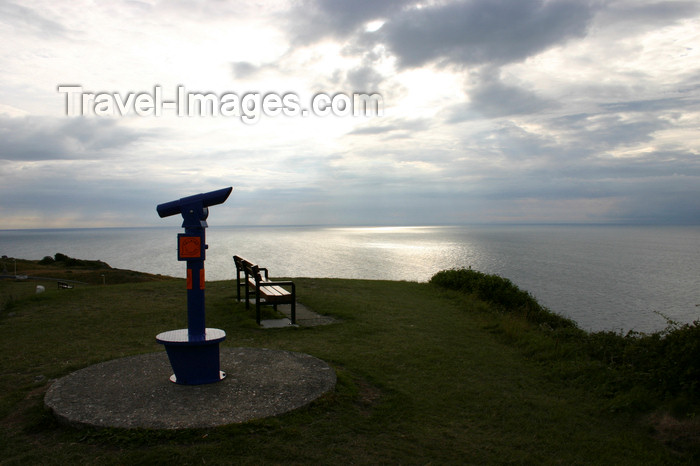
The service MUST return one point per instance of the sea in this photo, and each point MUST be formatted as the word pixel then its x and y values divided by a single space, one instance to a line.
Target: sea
pixel 604 277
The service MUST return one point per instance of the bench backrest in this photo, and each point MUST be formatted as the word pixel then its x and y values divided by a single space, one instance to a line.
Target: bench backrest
pixel 254 271
pixel 249 269
pixel 242 267
pixel 239 261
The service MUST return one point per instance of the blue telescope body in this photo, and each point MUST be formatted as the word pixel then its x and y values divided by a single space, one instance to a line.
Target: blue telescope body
pixel 194 351
pixel 194 209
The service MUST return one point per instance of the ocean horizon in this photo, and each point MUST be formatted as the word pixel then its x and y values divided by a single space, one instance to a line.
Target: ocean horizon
pixel 604 277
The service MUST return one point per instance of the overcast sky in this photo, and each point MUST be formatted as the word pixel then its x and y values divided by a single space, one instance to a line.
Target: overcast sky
pixel 496 111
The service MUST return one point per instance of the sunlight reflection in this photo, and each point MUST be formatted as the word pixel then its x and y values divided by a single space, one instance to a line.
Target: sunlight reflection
pixel 385 229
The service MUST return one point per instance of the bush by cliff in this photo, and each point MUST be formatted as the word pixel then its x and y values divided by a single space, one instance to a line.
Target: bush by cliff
pixel 65 261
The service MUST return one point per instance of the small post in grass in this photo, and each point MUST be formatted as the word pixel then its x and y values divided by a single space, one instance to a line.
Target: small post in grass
pixel 194 352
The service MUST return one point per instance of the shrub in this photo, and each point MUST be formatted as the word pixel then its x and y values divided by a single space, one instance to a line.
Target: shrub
pixel 680 365
pixel 71 262
pixel 502 293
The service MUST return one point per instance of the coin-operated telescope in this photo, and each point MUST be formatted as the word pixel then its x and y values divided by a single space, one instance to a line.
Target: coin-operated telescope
pixel 194 352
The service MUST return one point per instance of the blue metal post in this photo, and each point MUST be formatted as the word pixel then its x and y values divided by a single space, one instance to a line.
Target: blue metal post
pixel 192 244
pixel 195 300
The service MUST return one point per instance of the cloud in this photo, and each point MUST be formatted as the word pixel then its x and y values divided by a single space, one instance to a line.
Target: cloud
pixel 496 99
pixel 76 194
pixel 364 79
pixel 25 20
pixel 653 105
pixel 474 32
pixel 489 32
pixel 411 126
pixel 314 20
pixel 633 16
pixel 605 132
pixel 653 202
pixel 521 110
pixel 489 97
pixel 248 70
pixel 33 138
pixel 244 69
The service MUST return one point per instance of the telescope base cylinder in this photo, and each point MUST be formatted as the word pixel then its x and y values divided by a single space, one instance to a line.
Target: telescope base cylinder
pixel 193 362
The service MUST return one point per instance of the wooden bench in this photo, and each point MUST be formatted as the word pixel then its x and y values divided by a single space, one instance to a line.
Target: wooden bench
pixel 256 283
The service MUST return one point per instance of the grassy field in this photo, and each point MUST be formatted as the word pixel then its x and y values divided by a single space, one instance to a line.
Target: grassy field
pixel 422 378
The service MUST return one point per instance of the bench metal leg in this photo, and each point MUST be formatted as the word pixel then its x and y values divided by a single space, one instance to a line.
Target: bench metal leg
pixel 294 304
pixel 238 286
pixel 257 306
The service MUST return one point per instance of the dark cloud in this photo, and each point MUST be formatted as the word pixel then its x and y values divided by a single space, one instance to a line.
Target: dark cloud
pixel 41 138
pixel 658 187
pixel 659 201
pixel 364 79
pixel 471 32
pixel 508 145
pixel 492 32
pixel 652 105
pixel 69 195
pixel 632 15
pixel 491 98
pixel 602 132
pixel 495 99
pixel 313 20
pixel 512 163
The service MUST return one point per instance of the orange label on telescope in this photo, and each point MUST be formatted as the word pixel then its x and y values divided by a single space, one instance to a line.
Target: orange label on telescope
pixel 190 247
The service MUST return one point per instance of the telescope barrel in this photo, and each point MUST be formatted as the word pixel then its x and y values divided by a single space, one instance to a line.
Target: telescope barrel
pixel 198 200
pixel 168 208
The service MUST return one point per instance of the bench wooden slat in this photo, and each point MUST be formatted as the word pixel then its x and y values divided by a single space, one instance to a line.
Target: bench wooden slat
pixel 272 290
pixel 275 293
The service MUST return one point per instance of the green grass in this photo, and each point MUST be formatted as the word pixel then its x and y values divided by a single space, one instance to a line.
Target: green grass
pixel 633 371
pixel 425 375
pixel 48 271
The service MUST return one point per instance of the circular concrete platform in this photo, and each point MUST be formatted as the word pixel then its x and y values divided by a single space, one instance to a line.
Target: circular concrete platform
pixel 135 392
